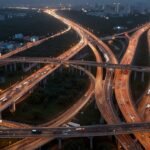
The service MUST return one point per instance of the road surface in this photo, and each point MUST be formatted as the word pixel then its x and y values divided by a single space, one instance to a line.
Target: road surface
pixel 123 96
pixel 33 143
pixel 82 131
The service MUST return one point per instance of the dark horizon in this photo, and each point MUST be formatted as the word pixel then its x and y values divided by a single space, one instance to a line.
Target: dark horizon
pixel 145 3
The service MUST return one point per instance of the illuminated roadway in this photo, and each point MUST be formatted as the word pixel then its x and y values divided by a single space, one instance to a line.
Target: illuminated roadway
pixel 144 105
pixel 122 35
pixel 103 95
pixel 55 61
pixel 83 131
pixel 97 41
pixel 123 96
pixel 33 143
pixel 97 79
pixel 20 89
pixel 32 44
pixel 94 37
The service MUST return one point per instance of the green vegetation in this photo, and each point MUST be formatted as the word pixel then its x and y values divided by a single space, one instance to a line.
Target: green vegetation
pixel 52 47
pixel 89 115
pixel 102 27
pixel 60 92
pixel 33 23
pixel 141 59
pixel 75 144
pixel 84 144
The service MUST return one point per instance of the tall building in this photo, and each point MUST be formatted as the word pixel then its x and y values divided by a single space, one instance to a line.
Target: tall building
pixel 117 7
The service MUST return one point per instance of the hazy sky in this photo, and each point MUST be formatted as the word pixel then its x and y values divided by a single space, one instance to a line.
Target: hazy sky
pixel 52 2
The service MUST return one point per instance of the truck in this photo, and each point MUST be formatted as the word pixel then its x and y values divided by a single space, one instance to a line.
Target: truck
pixel 72 124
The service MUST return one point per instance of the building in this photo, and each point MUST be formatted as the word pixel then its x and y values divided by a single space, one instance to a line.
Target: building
pixel 2 79
pixel 2 17
pixel 34 38
pixel 18 36
pixel 6 46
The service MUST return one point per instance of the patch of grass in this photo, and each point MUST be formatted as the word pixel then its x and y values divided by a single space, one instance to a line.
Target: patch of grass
pixel 52 47
pixel 33 23
pixel 141 59
pixel 102 27
pixel 61 91
pixel 90 115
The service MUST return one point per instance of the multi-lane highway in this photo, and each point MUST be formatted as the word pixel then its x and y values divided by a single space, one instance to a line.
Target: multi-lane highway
pixel 34 143
pixel 103 94
pixel 29 45
pixel 20 89
pixel 144 105
pixel 55 61
pixel 122 90
pixel 123 34
pixel 82 131
pixel 103 99
pixel 100 43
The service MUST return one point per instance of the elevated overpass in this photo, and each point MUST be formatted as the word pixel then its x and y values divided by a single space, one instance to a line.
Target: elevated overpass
pixel 83 131
pixel 56 61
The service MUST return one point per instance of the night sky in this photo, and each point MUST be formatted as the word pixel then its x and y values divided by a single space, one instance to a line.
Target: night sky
pixel 73 2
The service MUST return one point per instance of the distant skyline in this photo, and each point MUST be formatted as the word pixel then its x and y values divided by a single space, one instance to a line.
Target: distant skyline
pixel 73 2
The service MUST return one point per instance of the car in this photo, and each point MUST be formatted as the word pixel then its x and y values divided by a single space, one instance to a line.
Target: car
pixel 19 86
pixel 3 99
pixel 86 95
pixel 148 106
pixel 132 117
pixel 80 129
pixel 34 131
pixel 25 83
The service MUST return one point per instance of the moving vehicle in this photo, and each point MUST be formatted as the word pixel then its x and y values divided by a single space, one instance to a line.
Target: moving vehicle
pixel 34 131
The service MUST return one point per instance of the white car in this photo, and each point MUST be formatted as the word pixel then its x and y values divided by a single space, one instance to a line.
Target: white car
pixel 132 117
pixel 148 106
pixel 80 129
pixel 3 99
pixel 25 83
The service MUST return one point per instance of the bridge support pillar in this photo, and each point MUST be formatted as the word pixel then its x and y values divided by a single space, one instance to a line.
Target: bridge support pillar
pixel 0 117
pixel 38 66
pixel 80 73
pixel 119 145
pixel 89 69
pixel 23 67
pixel 69 70
pixel 143 76
pixel 72 70
pixel 60 69
pixel 11 67
pixel 44 82
pixel 31 91
pixel 59 143
pixel 6 68
pixel 13 107
pixel 135 75
pixel 15 67
pixel 91 142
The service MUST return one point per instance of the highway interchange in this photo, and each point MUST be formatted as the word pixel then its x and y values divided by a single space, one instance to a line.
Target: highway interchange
pixel 103 89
